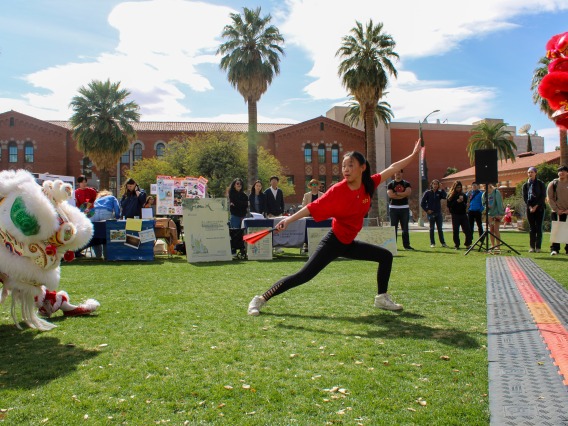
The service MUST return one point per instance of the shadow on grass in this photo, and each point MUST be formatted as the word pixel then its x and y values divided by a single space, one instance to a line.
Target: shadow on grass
pixel 388 326
pixel 31 358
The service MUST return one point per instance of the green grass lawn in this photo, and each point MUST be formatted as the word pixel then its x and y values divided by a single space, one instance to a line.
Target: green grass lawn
pixel 172 344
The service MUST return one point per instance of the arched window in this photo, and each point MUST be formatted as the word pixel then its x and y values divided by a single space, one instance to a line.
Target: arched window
pixel 29 152
pixel 160 150
pixel 12 152
pixel 321 153
pixel 334 154
pixel 137 148
pixel 308 153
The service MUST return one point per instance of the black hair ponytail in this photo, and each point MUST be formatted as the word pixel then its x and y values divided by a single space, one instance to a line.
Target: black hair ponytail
pixel 366 179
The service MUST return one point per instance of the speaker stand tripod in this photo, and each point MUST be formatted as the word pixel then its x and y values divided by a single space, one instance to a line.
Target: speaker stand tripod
pixel 485 237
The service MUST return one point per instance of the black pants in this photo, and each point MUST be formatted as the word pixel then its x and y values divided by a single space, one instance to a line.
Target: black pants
pixel 535 227
pixel 331 248
pixel 460 220
pixel 562 218
pixel 475 217
pixel 401 216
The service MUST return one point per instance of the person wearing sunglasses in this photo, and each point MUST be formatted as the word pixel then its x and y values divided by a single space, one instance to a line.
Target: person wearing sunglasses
pixel 238 203
pixel 313 194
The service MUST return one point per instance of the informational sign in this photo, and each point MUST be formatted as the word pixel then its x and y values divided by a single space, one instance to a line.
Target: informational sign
pixel 382 236
pixel 207 237
pixel 171 191
pixel 262 249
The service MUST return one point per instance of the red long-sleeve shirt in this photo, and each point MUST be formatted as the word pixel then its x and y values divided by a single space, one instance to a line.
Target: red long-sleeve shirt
pixel 347 208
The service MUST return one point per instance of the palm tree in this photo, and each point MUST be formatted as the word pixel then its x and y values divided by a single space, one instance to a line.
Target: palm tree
pixel 383 113
pixel 366 63
pixel 102 124
pixel 252 59
pixel 540 71
pixel 492 135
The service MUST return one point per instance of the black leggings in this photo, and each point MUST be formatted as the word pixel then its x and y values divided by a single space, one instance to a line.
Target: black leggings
pixel 331 248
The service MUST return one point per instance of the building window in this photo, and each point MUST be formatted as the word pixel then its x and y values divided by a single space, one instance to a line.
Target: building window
pixel 308 153
pixel 29 152
pixel 160 150
pixel 137 152
pixel 321 153
pixel 12 152
pixel 334 179
pixel 12 122
pixel 321 126
pixel 290 180
pixel 335 154
pixel 125 158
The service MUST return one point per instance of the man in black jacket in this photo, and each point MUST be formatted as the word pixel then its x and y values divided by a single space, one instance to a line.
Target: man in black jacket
pixel 534 195
pixel 274 199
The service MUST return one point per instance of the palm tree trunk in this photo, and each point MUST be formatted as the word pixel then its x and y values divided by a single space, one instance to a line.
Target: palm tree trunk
pixel 563 148
pixel 104 180
pixel 371 153
pixel 252 143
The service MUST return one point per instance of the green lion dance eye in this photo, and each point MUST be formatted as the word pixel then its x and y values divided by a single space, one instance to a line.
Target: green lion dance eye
pixel 24 221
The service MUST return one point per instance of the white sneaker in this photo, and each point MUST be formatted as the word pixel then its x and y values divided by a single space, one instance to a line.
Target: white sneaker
pixel 553 253
pixel 255 304
pixel 531 250
pixel 432 245
pixel 383 301
pixel 537 250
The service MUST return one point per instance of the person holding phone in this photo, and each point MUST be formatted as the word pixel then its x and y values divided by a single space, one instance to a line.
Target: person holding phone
pixel 132 201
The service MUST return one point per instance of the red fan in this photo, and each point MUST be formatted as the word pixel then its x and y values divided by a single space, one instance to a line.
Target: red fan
pixel 257 236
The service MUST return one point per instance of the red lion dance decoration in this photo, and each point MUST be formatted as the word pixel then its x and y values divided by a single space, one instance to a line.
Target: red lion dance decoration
pixel 554 85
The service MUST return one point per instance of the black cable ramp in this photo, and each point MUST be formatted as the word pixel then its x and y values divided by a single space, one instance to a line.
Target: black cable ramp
pixel 525 385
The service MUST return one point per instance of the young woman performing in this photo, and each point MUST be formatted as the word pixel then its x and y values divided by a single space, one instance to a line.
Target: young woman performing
pixel 347 202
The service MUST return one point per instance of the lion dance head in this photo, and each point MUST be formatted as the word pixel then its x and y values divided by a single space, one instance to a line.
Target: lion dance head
pixel 38 229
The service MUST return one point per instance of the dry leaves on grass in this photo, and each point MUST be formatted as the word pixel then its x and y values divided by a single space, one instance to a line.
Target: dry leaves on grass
pixel 445 358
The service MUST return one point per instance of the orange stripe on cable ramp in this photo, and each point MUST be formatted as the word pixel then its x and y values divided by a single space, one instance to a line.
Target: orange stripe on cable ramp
pixel 554 334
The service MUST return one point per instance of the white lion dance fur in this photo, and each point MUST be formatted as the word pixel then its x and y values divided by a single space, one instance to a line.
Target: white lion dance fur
pixel 38 228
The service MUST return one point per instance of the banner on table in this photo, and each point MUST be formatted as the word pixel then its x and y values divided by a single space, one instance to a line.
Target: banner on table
pixel 207 237
pixel 171 191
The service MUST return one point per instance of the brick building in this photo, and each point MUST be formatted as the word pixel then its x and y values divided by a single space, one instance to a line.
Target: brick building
pixel 311 149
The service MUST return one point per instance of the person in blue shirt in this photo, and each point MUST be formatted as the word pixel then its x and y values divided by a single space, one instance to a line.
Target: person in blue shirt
pixel 432 204
pixel 105 208
pixel 475 208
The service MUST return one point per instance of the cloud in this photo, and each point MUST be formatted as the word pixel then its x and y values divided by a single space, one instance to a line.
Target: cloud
pixel 420 29
pixel 551 137
pixel 161 45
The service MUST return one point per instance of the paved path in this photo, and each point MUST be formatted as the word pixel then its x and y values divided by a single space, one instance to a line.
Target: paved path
pixel 527 318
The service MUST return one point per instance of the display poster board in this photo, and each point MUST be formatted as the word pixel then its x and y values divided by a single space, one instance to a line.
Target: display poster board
pixel 383 236
pixel 314 237
pixel 207 237
pixel 262 249
pixel 131 239
pixel 171 191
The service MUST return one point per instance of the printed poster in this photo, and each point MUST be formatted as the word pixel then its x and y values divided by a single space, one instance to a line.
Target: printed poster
pixel 171 191
pixel 207 237
pixel 262 249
